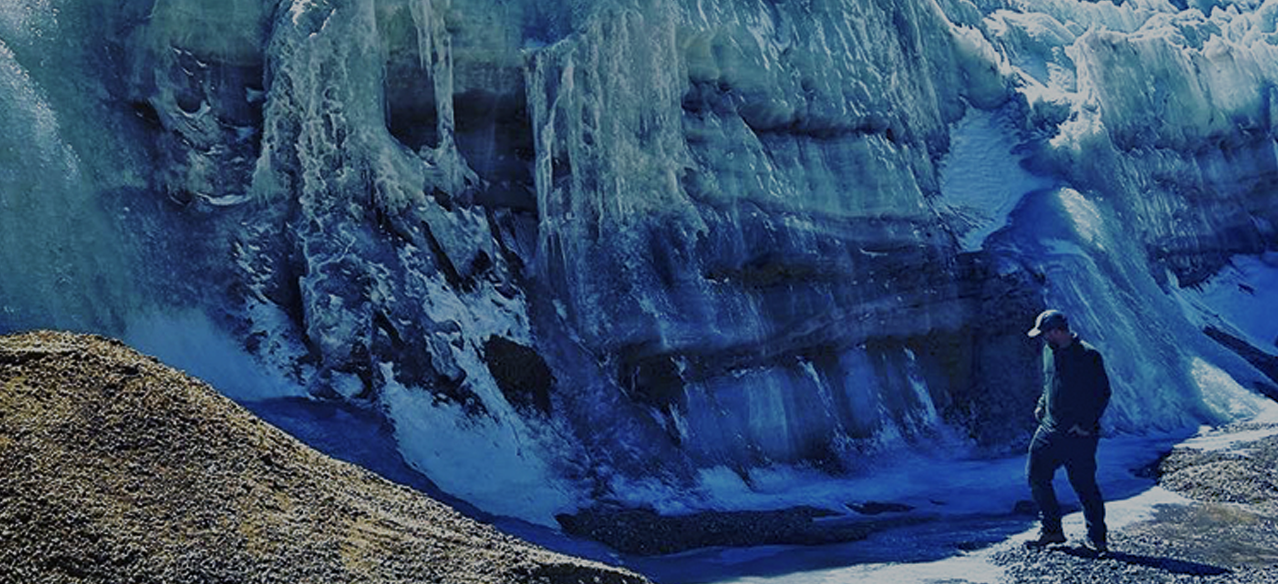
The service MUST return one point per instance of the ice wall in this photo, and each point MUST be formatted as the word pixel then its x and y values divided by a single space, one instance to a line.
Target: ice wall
pixel 50 177
pixel 1170 112
pixel 700 228
pixel 600 250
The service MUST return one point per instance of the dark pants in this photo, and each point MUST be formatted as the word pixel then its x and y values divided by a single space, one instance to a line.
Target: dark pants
pixel 1048 452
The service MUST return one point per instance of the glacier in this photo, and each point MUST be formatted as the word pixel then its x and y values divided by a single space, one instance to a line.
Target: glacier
pixel 669 254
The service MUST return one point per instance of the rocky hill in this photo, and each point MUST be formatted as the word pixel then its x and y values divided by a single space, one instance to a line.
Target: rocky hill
pixel 116 468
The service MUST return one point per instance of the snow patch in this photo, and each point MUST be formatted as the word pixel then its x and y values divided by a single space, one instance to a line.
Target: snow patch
pixel 1087 218
pixel 491 462
pixel 1240 300
pixel 1222 393
pixel 190 341
pixel 982 178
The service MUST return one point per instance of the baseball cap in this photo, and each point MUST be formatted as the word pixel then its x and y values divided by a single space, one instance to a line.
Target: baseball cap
pixel 1048 320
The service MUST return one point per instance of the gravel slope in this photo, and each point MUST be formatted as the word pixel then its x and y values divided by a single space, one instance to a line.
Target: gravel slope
pixel 115 468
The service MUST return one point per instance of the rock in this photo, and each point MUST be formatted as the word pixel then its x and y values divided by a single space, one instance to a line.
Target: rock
pixel 1025 507
pixel 877 507
pixel 646 532
pixel 522 374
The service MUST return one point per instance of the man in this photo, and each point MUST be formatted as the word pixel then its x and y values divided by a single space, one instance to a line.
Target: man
pixel 1075 394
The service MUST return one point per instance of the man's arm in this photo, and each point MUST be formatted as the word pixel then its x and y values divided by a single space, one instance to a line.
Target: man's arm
pixel 1092 411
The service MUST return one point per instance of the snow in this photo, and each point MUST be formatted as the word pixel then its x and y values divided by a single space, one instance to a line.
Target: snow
pixel 974 568
pixel 189 341
pixel 493 462
pixel 1086 217
pixel 1221 392
pixel 1240 299
pixel 982 179
pixel 1214 439
pixel 988 487
pixel 22 19
pixel 970 500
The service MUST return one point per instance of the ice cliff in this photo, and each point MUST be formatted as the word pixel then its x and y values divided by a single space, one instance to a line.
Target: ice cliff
pixel 626 250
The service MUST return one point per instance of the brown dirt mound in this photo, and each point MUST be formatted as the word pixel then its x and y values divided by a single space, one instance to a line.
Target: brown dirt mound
pixel 115 468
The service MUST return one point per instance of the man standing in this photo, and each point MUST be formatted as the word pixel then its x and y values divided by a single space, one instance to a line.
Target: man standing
pixel 1075 394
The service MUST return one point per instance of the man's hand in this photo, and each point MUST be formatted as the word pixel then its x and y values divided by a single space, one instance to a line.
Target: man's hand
pixel 1078 431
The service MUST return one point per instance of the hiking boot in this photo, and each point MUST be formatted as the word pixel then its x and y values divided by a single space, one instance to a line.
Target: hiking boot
pixel 1096 546
pixel 1046 538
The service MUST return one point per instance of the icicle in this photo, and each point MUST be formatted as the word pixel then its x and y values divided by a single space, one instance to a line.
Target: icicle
pixel 422 11
pixel 435 55
pixel 542 125
pixel 442 73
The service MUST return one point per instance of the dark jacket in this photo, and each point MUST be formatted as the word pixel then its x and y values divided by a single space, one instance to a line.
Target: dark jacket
pixel 1076 391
